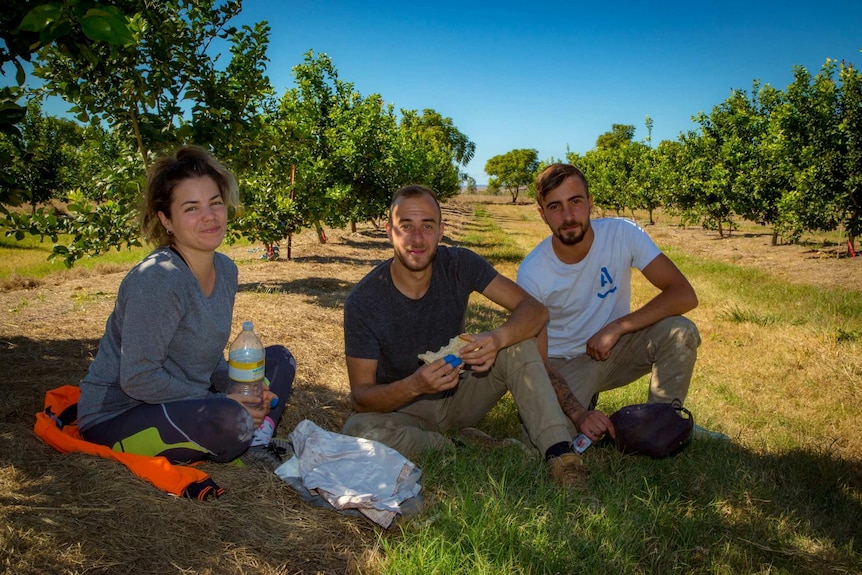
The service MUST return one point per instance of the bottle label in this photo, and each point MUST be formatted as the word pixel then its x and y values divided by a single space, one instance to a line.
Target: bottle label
pixel 251 371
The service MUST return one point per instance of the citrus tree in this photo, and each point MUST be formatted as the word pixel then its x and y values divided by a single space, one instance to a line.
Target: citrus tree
pixel 513 171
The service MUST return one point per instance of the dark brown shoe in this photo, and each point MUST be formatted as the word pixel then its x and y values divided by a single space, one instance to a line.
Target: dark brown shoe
pixel 568 470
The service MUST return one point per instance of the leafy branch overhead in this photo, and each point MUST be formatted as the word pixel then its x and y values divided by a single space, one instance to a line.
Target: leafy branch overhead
pixel 322 154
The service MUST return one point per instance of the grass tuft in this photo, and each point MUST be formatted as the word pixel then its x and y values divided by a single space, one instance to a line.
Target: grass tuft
pixel 738 315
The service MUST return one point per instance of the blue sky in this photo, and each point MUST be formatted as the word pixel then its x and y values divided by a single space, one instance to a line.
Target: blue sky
pixel 556 74
pixel 552 74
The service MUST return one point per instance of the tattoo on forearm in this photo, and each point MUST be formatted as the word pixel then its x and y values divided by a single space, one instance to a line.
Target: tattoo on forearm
pixel 571 406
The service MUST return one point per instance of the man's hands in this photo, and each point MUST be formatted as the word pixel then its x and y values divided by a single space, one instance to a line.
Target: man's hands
pixel 599 346
pixel 436 377
pixel 481 352
pixel 441 375
pixel 594 424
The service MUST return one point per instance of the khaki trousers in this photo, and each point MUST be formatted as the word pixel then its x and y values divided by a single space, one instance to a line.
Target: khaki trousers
pixel 666 350
pixel 423 423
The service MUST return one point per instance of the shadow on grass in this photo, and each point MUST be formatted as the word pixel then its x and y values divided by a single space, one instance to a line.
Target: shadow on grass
pixel 326 292
pixel 73 513
pixel 716 508
pixel 366 239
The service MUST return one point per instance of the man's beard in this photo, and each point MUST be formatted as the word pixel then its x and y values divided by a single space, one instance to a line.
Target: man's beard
pixel 572 236
pixel 413 267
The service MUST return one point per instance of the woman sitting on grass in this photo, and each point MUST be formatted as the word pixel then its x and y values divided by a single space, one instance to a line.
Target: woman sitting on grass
pixel 157 385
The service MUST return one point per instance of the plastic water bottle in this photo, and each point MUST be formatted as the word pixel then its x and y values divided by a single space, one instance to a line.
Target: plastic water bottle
pixel 246 361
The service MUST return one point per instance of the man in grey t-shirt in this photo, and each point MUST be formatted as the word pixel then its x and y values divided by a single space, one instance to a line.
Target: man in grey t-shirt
pixel 415 302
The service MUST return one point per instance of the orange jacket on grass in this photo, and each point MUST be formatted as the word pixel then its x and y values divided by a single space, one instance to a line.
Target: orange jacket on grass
pixel 57 425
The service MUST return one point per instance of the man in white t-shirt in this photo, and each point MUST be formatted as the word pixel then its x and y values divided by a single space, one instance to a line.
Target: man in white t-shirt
pixel 593 341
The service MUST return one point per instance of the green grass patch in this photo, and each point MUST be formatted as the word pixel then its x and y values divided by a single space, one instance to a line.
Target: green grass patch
pixel 739 315
pixel 29 258
pixel 715 508
pixel 745 289
pixel 489 240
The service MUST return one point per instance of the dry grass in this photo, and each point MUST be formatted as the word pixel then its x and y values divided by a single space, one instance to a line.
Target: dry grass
pixel 77 514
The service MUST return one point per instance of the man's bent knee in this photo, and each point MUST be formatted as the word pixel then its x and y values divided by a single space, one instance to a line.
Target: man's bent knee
pixel 682 331
pixel 377 427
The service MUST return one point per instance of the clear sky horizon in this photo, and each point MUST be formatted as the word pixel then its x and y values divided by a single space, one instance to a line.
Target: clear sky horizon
pixel 554 75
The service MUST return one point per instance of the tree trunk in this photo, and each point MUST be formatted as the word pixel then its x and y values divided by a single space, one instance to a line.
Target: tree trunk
pixel 651 220
pixel 321 235
pixel 774 237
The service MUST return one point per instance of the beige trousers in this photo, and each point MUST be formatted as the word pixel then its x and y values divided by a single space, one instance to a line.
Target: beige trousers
pixel 423 423
pixel 666 350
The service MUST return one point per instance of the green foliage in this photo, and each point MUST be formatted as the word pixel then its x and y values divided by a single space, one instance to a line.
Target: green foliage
pixel 513 171
pixel 45 161
pixel 789 159
pixel 811 148
pixel 734 138
pixel 850 129
pixel 619 136
pixel 310 112
pixel 622 174
pixel 25 28
pixel 442 148
pixel 144 74
pixel 97 228
pixel 97 22
pixel 348 154
pixel 233 107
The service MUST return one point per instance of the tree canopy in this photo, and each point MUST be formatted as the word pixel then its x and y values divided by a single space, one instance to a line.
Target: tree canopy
pixel 145 77
pixel 513 171
pixel 322 154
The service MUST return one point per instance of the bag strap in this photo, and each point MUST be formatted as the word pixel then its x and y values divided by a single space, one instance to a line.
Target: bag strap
pixel 677 405
pixel 68 416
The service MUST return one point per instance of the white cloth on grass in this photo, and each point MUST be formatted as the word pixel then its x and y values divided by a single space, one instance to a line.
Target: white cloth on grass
pixel 351 472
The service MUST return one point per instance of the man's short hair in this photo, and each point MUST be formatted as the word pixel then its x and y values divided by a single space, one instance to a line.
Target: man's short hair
pixel 413 191
pixel 553 177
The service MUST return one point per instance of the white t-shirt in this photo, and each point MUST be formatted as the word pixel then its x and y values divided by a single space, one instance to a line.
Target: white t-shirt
pixel 584 297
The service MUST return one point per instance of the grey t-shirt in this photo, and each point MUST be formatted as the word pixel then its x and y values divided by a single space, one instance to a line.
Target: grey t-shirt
pixel 382 323
pixel 163 342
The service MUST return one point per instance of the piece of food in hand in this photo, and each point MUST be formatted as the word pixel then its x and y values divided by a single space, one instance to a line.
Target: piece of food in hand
pixel 453 348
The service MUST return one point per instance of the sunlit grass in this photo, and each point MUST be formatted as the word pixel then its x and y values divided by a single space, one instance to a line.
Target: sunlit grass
pixel 29 258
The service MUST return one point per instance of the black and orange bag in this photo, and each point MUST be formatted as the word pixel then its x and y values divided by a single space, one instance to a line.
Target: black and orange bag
pixel 57 425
